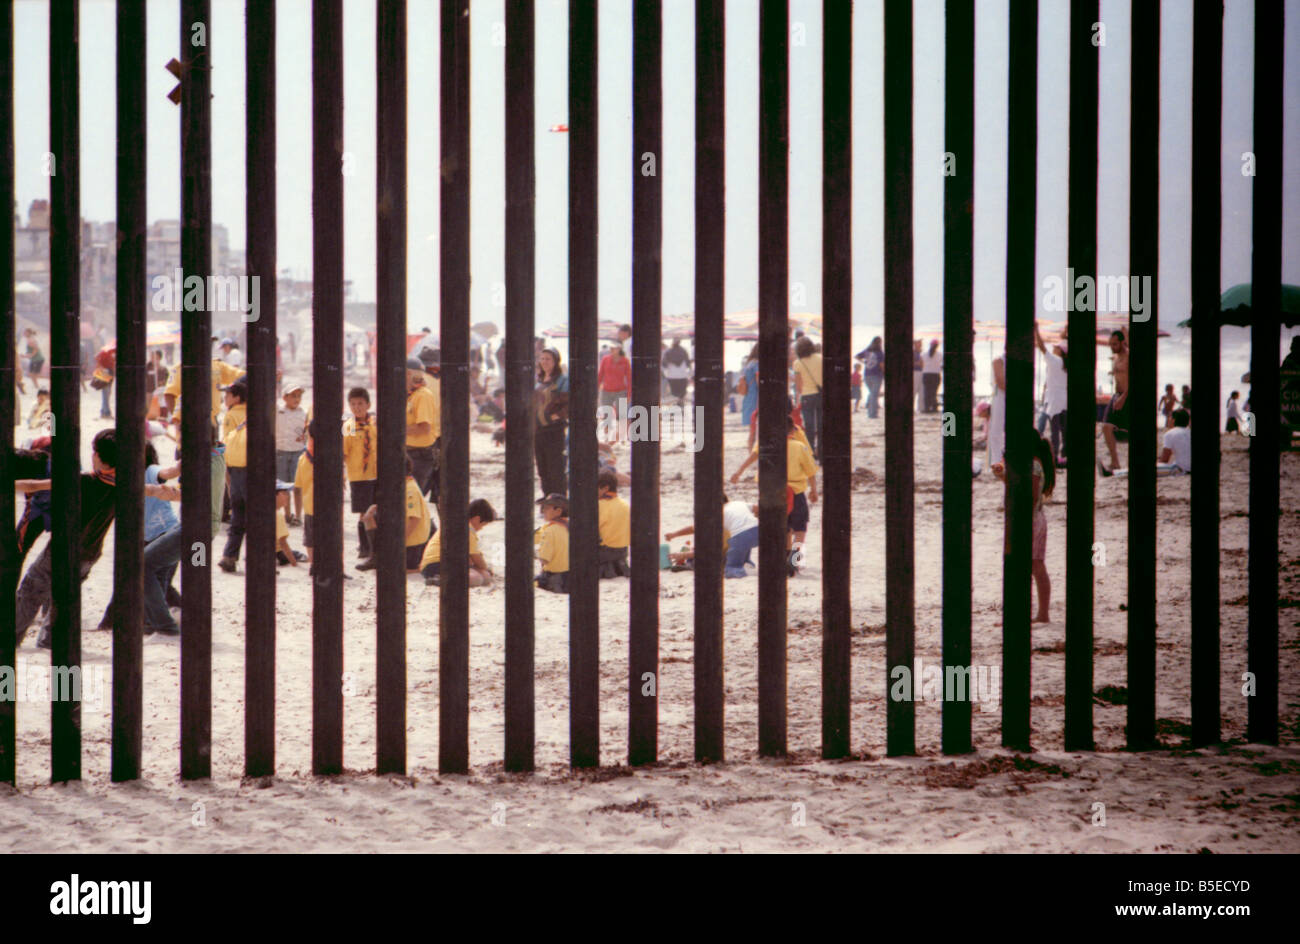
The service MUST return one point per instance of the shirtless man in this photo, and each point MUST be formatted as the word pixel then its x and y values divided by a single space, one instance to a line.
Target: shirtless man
pixel 1117 413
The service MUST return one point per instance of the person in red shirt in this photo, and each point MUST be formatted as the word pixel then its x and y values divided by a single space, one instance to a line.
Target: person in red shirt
pixel 614 377
pixel 102 380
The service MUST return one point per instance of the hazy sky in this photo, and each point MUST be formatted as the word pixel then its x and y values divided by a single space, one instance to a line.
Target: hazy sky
pixel 225 36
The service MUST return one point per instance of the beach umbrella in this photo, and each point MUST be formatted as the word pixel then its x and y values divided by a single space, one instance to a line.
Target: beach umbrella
pixel 1235 307
pixel 485 329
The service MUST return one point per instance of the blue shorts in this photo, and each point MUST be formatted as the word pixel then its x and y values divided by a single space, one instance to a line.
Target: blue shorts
pixel 798 520
pixel 286 465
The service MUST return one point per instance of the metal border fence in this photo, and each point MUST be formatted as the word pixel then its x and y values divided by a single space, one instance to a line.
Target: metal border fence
pixel 327 42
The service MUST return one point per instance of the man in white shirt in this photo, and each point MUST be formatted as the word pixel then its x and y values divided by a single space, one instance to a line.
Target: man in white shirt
pixel 931 376
pixel 1055 398
pixel 1176 456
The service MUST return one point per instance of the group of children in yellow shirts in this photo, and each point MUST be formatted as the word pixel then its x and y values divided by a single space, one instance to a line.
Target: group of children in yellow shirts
pixel 422 539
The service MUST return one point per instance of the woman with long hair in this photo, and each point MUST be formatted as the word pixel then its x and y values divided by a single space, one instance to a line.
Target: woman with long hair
pixel 550 418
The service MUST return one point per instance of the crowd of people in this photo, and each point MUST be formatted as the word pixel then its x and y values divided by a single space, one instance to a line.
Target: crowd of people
pixel 295 434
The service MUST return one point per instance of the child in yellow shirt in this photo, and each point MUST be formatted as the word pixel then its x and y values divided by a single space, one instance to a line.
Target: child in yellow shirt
pixel 552 542
pixel 418 525
pixel 361 459
pixel 480 574
pixel 234 435
pixel 615 527
pixel 304 482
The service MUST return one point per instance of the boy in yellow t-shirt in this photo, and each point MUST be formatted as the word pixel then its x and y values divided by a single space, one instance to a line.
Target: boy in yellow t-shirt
pixel 423 425
pixel 552 540
pixel 801 479
pixel 418 526
pixel 480 574
pixel 615 527
pixel 305 482
pixel 361 460
pixel 234 435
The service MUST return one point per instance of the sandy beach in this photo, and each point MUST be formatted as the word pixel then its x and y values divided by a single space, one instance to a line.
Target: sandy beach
pixel 1235 797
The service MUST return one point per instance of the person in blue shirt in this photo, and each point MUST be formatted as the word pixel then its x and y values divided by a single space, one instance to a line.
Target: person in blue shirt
pixel 749 377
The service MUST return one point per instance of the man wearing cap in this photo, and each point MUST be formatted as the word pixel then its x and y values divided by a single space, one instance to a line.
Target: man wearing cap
pixel 552 540
pixel 230 353
pixel 423 422
pixel 290 441
pixel 234 435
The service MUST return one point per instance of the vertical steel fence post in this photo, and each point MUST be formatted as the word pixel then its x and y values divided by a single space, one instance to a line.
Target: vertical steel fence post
pixel 710 272
pixel 958 343
pixel 900 591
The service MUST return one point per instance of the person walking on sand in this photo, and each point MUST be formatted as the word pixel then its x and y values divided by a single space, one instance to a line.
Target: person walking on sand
pixel 614 377
pixel 997 431
pixel 873 374
pixel 1055 401
pixel 931 377
pixel 1234 413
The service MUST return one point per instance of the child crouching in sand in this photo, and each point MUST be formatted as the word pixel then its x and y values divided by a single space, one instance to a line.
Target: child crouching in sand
pixel 480 574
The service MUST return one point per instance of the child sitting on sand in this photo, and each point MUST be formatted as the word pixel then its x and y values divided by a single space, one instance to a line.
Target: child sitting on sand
pixel 739 537
pixel 552 542
pixel 480 574
pixel 615 527
pixel 418 525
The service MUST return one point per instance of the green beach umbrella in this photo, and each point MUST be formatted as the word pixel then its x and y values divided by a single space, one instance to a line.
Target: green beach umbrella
pixel 1235 307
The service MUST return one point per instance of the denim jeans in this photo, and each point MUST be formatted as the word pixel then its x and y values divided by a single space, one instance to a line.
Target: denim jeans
pixel 738 551
pixel 36 591
pixel 873 383
pixel 811 407
pixel 238 511
pixel 162 556
pixel 104 402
